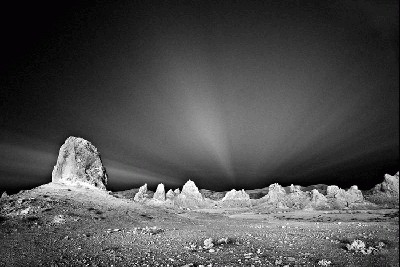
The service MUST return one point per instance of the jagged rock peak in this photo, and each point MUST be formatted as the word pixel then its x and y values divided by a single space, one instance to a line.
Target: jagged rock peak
pixel 141 194
pixel 79 162
pixel 236 195
pixel 170 194
pixel 190 189
pixel 160 193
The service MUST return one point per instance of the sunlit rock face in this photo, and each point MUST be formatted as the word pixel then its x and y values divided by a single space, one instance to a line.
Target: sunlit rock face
pixel 385 193
pixel 235 198
pixel 79 162
pixel 297 199
pixel 142 194
pixel 276 196
pixel 190 196
pixel 170 195
pixel 340 198
pixel 354 195
pixel 317 200
pixel 160 193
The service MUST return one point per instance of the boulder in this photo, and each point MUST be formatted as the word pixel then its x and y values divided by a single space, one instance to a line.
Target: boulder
pixel 235 198
pixel 79 162
pixel 142 194
pixel 160 193
pixel 177 191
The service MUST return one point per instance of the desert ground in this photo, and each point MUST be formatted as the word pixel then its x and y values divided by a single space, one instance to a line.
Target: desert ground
pixel 63 225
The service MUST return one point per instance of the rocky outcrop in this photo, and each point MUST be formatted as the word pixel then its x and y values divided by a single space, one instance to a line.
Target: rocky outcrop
pixel 160 193
pixel 190 197
pixel 170 195
pixel 276 196
pixel 79 162
pixel 340 198
pixel 386 193
pixel 296 199
pixel 142 194
pixel 389 186
pixel 235 198
pixel 317 201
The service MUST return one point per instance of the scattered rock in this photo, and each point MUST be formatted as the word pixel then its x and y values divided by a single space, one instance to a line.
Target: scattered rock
pixel 324 262
pixel 79 162
pixel 208 243
pixel 59 219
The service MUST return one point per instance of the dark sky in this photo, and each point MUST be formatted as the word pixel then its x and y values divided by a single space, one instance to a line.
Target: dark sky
pixel 231 94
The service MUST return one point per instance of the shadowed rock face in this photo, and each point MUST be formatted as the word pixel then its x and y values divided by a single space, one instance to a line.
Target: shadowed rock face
pixel 79 162
pixel 385 193
pixel 389 186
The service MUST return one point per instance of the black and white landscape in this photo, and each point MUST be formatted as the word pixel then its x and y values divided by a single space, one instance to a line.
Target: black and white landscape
pixel 75 221
pixel 232 133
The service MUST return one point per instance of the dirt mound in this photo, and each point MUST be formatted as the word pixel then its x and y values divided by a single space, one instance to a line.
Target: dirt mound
pixel 79 162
